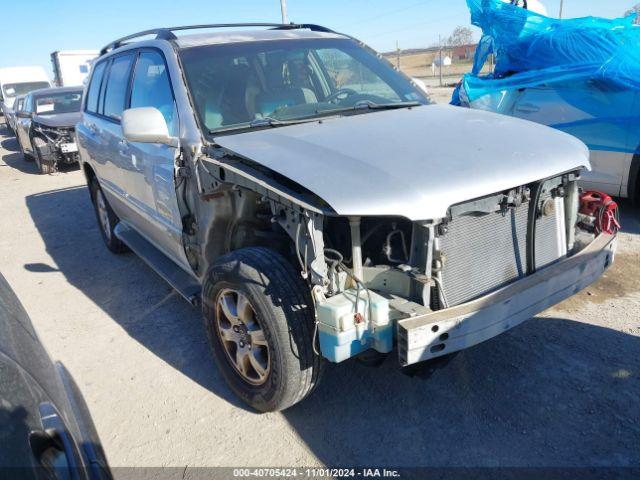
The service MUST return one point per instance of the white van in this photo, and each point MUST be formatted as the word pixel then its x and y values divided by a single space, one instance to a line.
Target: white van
pixel 16 81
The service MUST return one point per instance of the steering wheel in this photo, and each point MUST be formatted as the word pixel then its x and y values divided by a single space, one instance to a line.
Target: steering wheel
pixel 340 94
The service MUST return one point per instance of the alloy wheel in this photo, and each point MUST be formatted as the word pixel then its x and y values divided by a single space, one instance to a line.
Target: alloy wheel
pixel 242 336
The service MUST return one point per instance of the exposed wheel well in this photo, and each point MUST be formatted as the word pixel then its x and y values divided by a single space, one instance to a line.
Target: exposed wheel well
pixel 89 175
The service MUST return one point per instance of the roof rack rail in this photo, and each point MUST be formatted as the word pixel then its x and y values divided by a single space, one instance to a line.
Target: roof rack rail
pixel 167 33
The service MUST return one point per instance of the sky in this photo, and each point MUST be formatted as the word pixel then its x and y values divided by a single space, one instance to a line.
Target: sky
pixel 32 29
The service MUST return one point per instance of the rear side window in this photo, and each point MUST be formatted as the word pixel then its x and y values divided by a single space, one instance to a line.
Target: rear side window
pixel 28 104
pixel 94 88
pixel 151 87
pixel 117 83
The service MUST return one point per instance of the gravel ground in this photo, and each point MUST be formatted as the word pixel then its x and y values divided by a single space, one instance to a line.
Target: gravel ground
pixel 563 389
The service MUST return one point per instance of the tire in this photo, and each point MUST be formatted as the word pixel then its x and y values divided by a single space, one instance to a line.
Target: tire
pixel 282 309
pixel 107 219
pixel 45 167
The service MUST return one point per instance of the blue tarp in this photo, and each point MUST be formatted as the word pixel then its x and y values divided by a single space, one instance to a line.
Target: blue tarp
pixel 531 49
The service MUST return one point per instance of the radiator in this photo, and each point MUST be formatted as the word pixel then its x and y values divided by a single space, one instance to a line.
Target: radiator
pixel 482 252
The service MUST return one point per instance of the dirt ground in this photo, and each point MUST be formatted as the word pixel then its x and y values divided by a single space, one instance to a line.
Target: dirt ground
pixel 439 94
pixel 563 389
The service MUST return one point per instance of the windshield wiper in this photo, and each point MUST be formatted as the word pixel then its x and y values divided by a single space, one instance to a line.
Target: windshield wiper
pixel 385 106
pixel 266 122
pixel 262 123
pixel 369 105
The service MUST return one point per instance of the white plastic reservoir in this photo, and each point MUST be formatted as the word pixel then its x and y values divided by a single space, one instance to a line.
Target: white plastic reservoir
pixel 341 333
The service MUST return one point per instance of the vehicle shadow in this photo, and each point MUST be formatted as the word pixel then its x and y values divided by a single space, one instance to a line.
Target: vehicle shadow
pixel 552 392
pixel 153 315
pixel 10 144
pixel 629 216
pixel 17 161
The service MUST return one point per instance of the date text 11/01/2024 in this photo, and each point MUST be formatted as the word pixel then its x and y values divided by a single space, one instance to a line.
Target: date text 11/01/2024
pixel 316 472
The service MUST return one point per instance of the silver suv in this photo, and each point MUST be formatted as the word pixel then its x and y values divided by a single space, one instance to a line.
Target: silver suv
pixel 317 206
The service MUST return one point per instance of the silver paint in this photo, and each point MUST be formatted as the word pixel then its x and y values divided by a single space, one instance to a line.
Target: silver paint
pixel 414 163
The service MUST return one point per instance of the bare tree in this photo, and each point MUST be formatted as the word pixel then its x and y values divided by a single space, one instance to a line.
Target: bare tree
pixel 634 11
pixel 461 36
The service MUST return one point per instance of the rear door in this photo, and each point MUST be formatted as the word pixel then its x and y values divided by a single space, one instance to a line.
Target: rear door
pixel 154 163
pixel 87 130
pixel 595 112
pixel 111 152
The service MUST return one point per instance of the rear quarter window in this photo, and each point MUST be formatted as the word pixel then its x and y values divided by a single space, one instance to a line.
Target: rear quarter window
pixel 94 87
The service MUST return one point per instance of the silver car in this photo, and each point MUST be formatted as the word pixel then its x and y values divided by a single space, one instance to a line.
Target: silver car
pixel 318 207
pixel 45 127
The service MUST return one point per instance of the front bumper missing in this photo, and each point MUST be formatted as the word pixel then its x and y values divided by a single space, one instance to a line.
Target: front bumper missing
pixel 446 331
pixel 65 153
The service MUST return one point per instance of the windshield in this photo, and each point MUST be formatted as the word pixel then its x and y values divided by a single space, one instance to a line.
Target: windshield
pixel 235 85
pixel 13 89
pixel 53 104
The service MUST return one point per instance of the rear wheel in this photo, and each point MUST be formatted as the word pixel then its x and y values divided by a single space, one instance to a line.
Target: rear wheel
pixel 44 166
pixel 107 219
pixel 258 315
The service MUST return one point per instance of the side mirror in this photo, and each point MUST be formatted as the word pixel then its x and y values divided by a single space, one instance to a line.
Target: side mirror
pixel 420 84
pixel 147 125
pixel 23 114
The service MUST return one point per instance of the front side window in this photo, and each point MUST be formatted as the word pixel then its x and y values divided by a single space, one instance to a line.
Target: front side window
pixel 234 85
pixel 19 103
pixel 15 89
pixel 151 87
pixel 117 83
pixel 94 87
pixel 56 103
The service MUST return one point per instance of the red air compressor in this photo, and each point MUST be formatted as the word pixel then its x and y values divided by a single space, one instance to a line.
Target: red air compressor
pixel 598 213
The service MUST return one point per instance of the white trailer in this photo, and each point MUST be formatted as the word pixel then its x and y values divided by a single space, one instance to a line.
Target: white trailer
pixel 71 67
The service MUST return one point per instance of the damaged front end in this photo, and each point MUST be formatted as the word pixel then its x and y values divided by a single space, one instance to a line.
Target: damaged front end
pixel 429 287
pixel 55 145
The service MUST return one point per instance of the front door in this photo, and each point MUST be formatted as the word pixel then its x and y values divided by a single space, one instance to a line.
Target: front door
pixel 153 163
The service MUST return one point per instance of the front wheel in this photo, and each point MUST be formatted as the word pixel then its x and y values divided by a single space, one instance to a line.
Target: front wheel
pixel 259 319
pixel 44 166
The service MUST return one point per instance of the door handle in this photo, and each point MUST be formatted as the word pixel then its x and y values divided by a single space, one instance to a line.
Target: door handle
pixel 52 442
pixel 92 128
pixel 527 108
